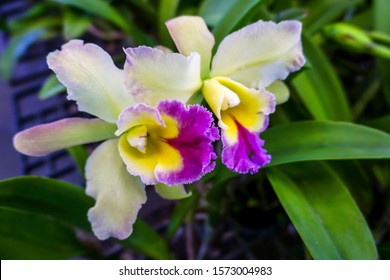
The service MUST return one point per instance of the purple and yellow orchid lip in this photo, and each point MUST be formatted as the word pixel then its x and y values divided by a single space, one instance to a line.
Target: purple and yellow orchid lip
pixel 168 144
pixel 243 114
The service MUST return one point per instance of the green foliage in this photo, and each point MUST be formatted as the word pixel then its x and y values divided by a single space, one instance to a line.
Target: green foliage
pixel 324 140
pixel 323 211
pixel 31 236
pixel 338 111
pixel 51 87
pixel 42 214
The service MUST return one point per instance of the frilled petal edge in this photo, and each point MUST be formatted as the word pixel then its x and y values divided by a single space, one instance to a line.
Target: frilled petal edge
pixel 119 195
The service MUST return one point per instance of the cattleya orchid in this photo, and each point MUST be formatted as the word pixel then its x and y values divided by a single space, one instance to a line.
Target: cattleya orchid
pixel 234 82
pixel 150 136
pixel 164 145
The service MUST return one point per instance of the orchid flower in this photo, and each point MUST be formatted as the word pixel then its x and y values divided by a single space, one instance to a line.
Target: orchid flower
pixel 234 82
pixel 163 144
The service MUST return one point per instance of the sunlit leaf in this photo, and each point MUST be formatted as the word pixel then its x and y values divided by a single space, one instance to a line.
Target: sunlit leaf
pixel 324 140
pixel 319 88
pixel 232 17
pixel 323 211
pixel 213 11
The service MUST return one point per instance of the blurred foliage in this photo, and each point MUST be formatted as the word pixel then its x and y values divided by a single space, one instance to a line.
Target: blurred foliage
pixel 326 193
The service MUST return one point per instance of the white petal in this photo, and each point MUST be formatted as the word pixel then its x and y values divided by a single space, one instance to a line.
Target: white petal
pixel 46 138
pixel 190 34
pixel 260 53
pixel 172 192
pixel 91 79
pixel 119 195
pixel 153 76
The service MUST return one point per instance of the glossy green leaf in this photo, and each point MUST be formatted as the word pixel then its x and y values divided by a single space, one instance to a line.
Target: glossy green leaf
pixel 69 204
pixel 324 140
pixel 99 8
pixel 213 11
pixel 321 12
pixel 232 17
pixel 26 235
pixel 382 24
pixel 16 47
pixel 323 211
pixel 319 87
pixel 63 201
pixel 51 87
pixel 146 240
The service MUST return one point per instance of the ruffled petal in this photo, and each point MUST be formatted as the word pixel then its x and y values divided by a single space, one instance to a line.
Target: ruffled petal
pixel 119 196
pixel 153 75
pixel 194 143
pixel 141 147
pixel 260 53
pixel 47 138
pixel 172 192
pixel 91 79
pixel 139 114
pixel 190 34
pixel 247 154
pixel 243 114
pixel 177 150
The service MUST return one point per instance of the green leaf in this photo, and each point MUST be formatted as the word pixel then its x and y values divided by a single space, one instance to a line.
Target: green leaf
pixel 324 11
pixel 382 123
pixel 75 24
pixel 80 156
pixel 63 201
pixel 51 87
pixel 324 140
pixel 293 13
pixel 69 204
pixel 323 211
pixel 213 11
pixel 26 235
pixel 145 239
pixel 232 17
pixel 166 11
pixel 16 47
pixel 382 24
pixel 99 8
pixel 319 87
